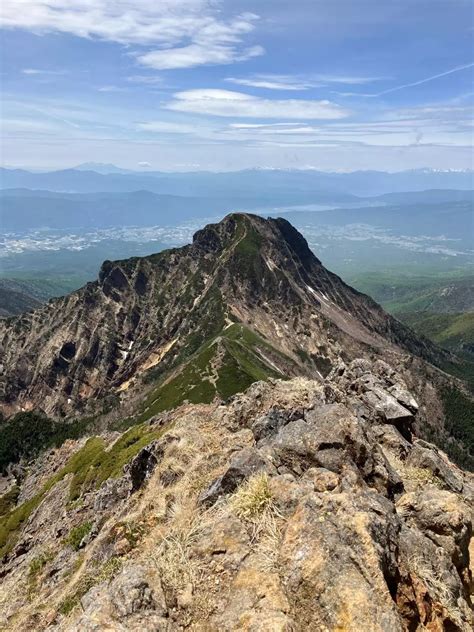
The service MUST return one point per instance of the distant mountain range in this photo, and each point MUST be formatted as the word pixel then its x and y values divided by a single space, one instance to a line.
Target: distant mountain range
pixel 26 209
pixel 273 184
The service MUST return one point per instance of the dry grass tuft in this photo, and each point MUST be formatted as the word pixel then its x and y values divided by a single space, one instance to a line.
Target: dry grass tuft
pixel 253 498
pixel 414 477
pixel 435 582
pixel 254 504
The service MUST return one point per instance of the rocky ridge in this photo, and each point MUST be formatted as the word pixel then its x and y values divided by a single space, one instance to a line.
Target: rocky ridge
pixel 246 294
pixel 297 505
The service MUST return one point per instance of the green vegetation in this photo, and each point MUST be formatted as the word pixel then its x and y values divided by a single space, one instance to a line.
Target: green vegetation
pixel 77 534
pixel 27 434
pixel 451 331
pixel 8 500
pixel 223 366
pixel 90 467
pixel 436 305
pixel 407 291
pixel 459 422
pixel 37 565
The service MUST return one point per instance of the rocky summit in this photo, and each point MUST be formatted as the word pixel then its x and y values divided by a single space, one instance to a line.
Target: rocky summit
pixel 227 437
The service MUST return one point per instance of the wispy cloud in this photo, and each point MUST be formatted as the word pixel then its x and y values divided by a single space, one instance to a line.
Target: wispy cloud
pixel 298 82
pixel 238 104
pixel 272 82
pixel 111 89
pixel 42 71
pixel 198 54
pixel 412 84
pixel 151 80
pixel 164 127
pixel 186 33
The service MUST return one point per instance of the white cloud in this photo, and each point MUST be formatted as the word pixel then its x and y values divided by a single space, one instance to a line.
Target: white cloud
pixel 163 127
pixel 146 79
pixel 186 33
pixel 111 89
pixel 394 131
pixel 297 82
pixel 144 164
pixel 40 71
pixel 238 104
pixel 197 55
pixel 271 82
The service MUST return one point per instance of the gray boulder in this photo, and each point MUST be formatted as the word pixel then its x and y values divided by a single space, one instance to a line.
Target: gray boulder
pixel 244 464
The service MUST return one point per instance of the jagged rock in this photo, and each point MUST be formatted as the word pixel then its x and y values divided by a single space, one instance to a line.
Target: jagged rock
pixel 134 601
pixel 404 398
pixel 323 480
pixel 390 438
pixel 112 492
pixel 256 603
pixel 331 542
pixel 245 463
pixel 430 593
pixel 269 424
pixel 332 438
pixel 389 410
pixel 141 467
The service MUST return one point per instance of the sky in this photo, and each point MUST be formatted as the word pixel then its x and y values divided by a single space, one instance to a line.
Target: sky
pixel 185 85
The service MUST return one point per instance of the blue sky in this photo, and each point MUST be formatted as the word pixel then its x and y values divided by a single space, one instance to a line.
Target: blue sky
pixel 210 84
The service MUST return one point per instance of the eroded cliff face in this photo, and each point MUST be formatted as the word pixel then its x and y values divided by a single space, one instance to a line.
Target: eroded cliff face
pixel 153 313
pixel 298 505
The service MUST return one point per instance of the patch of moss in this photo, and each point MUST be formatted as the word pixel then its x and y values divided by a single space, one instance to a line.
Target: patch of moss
pixel 77 534
pixel 90 467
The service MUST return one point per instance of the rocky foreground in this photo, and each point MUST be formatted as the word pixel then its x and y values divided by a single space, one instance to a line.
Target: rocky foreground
pixel 298 505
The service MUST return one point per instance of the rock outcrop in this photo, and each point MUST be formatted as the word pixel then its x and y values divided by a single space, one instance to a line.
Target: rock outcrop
pixel 297 505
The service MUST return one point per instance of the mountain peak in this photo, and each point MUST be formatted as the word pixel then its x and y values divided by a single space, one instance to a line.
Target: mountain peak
pixel 256 233
pixel 247 300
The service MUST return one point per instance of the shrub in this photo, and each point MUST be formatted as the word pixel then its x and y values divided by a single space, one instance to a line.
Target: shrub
pixel 77 534
pixel 37 564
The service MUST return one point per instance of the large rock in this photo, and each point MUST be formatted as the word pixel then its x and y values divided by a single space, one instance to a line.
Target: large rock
pixel 430 593
pixel 339 562
pixel 132 602
pixel 388 409
pixel 444 518
pixel 331 437
pixel 244 464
